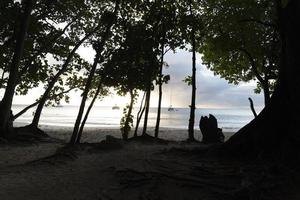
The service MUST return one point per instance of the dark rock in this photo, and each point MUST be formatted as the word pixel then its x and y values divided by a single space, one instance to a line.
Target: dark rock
pixel 210 131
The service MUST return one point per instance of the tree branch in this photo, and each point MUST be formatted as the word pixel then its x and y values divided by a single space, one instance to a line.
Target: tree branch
pixel 252 107
pixel 253 65
pixel 267 24
pixel 36 103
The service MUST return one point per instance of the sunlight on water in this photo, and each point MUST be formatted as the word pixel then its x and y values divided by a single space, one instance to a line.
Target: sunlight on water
pixel 228 119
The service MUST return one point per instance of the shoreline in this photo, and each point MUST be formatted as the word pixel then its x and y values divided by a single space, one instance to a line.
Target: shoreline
pixel 97 134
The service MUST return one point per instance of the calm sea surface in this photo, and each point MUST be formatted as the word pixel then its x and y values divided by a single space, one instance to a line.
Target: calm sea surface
pixel 228 119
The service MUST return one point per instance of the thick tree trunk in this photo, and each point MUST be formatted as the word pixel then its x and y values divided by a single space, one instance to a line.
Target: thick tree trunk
pixel 274 133
pixel 88 112
pixel 126 128
pixel 139 115
pixel 6 103
pixel 51 84
pixel 266 90
pixel 193 100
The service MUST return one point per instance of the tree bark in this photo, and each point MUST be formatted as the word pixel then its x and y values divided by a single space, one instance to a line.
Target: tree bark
pixel 6 103
pixel 128 116
pixel 273 134
pixel 139 115
pixel 88 112
pixel 160 87
pixel 147 106
pixel 266 90
pixel 193 100
pixel 51 84
pixel 2 79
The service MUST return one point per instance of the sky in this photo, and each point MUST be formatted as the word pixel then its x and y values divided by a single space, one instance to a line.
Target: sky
pixel 212 91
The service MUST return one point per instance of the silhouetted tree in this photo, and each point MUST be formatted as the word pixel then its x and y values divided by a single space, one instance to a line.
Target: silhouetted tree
pixel 273 133
pixel 98 46
pixel 6 103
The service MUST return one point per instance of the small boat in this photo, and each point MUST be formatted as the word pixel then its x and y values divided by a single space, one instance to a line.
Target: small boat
pixel 171 109
pixel 115 107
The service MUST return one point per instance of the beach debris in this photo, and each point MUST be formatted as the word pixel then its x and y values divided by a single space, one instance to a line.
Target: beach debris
pixel 210 131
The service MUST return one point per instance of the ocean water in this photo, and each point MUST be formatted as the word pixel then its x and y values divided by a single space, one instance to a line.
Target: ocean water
pixel 230 120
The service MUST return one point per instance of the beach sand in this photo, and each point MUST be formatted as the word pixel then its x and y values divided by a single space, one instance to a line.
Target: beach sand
pixel 133 170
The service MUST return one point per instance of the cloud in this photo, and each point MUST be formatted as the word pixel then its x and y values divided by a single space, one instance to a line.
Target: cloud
pixel 212 91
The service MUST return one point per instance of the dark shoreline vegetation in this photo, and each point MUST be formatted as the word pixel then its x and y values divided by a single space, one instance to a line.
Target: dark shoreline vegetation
pixel 238 40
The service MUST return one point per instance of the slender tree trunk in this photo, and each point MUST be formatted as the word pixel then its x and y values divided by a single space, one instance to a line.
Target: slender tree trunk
pixel 147 105
pixel 99 49
pixel 52 82
pixel 273 134
pixel 88 112
pixel 128 117
pixel 83 100
pixel 139 115
pixel 2 79
pixel 6 103
pixel 160 87
pixel 193 100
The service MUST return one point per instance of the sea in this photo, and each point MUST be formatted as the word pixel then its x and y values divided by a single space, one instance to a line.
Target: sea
pixel 229 119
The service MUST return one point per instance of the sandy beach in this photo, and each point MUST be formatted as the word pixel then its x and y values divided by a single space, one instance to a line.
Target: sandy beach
pixel 132 170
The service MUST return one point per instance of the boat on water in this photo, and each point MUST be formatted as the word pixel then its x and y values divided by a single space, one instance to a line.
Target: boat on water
pixel 171 108
pixel 115 107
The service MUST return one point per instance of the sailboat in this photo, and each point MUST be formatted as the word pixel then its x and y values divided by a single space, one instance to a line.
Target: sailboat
pixel 171 109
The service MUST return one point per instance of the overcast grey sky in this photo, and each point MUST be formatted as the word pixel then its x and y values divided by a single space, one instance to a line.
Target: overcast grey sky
pixel 212 91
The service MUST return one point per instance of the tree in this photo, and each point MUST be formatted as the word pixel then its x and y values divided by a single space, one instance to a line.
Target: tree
pixel 6 103
pixel 127 67
pixel 109 19
pixel 167 35
pixel 272 134
pixel 241 42
pixel 191 28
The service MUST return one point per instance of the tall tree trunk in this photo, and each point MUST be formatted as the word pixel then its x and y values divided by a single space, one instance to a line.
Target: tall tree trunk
pixel 99 49
pixel 6 103
pixel 88 112
pixel 266 90
pixel 139 115
pixel 126 128
pixel 51 84
pixel 193 100
pixel 274 133
pixel 2 79
pixel 160 86
pixel 84 98
pixel 147 106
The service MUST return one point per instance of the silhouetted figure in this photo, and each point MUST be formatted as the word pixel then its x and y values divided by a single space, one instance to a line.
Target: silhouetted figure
pixel 210 131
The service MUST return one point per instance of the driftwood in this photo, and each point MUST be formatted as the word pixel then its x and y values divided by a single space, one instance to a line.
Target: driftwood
pixel 252 107
pixel 210 131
